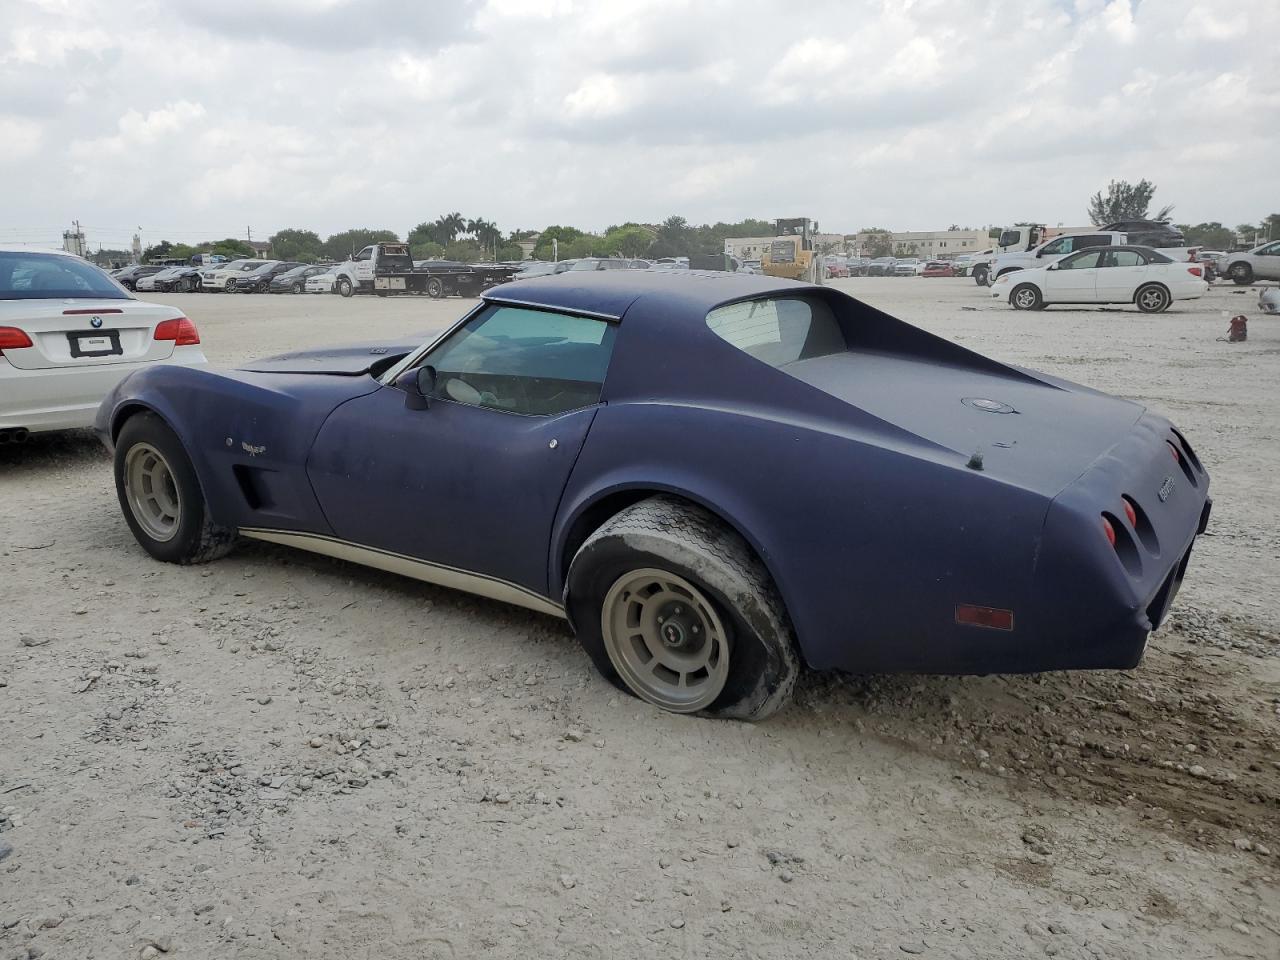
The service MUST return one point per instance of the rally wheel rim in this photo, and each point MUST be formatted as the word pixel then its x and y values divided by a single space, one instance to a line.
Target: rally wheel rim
pixel 666 640
pixel 152 492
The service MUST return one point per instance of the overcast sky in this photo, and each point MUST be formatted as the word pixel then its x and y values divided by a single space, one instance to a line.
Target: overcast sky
pixel 198 120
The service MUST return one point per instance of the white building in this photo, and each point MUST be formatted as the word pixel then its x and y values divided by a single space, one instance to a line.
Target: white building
pixel 929 244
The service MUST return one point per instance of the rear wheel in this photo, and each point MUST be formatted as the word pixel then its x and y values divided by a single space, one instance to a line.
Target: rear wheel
pixel 674 607
pixel 1241 273
pixel 1152 298
pixel 160 495
pixel 1026 297
pixel 344 287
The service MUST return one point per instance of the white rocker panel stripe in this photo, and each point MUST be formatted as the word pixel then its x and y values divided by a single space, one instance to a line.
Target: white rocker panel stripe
pixel 436 573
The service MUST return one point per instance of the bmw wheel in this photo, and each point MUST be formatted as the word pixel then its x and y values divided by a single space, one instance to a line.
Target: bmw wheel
pixel 1026 297
pixel 344 287
pixel 1241 273
pixel 674 608
pixel 1153 298
pixel 160 495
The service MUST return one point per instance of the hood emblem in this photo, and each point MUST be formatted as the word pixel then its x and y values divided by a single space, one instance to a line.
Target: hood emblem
pixel 987 406
pixel 1166 488
pixel 95 322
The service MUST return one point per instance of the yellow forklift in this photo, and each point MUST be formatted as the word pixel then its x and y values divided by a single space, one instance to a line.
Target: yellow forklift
pixel 790 254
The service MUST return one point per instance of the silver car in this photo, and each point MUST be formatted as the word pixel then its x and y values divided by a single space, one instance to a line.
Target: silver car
pixel 1260 263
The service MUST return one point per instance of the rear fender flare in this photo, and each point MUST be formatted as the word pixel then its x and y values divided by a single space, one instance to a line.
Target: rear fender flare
pixel 568 529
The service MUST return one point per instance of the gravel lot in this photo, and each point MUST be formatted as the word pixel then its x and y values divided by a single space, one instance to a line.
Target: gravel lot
pixel 279 755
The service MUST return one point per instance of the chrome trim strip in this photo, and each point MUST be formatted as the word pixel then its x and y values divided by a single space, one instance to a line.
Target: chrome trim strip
pixel 554 308
pixel 439 574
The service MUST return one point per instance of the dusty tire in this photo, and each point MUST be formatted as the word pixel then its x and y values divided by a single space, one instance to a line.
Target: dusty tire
pixel 1240 273
pixel 435 288
pixel 980 275
pixel 1026 297
pixel 1152 298
pixel 193 537
pixel 344 287
pixel 669 537
pixel 296 288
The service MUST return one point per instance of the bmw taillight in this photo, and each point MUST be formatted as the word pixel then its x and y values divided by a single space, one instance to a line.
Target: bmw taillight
pixel 180 330
pixel 11 338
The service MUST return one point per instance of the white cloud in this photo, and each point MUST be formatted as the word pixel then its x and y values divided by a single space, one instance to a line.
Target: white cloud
pixel 327 115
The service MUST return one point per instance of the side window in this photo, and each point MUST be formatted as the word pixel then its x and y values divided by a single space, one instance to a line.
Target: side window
pixel 1273 250
pixel 1126 258
pixel 1093 240
pixel 1062 245
pixel 531 362
pixel 365 254
pixel 779 331
pixel 1081 261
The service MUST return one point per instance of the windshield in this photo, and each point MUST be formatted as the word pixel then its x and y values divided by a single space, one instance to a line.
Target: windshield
pixel 51 276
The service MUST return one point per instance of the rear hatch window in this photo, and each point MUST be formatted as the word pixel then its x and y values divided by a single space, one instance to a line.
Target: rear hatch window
pixel 779 330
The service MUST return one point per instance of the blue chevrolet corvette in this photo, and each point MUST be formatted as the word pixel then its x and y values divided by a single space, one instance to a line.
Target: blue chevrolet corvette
pixel 715 478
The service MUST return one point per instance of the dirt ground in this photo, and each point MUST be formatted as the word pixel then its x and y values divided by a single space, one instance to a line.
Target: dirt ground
pixel 280 755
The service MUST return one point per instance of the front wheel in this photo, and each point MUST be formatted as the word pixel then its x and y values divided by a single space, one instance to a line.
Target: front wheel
pixel 674 608
pixel 160 495
pixel 344 287
pixel 1026 297
pixel 296 288
pixel 980 276
pixel 1152 298
pixel 1241 273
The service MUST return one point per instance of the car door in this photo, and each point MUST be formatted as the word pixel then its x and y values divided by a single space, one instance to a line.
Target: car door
pixel 1266 262
pixel 1120 274
pixel 364 265
pixel 1073 279
pixel 470 484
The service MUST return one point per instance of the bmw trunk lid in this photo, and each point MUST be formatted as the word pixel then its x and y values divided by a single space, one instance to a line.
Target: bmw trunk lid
pixel 83 333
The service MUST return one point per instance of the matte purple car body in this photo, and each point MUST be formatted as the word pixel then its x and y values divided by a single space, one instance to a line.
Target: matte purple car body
pixel 884 487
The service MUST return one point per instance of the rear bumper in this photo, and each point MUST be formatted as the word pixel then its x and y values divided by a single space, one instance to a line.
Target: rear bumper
pixel 67 398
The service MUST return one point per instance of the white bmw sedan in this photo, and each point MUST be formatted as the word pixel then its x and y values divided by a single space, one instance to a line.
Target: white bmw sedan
pixel 68 334
pixel 1120 274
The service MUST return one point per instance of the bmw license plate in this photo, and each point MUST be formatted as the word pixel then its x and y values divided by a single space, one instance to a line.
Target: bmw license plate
pixel 388 283
pixel 105 343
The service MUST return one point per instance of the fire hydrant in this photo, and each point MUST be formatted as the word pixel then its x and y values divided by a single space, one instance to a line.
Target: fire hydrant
pixel 1238 331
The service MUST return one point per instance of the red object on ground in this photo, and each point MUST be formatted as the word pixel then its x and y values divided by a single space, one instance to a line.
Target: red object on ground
pixel 1238 332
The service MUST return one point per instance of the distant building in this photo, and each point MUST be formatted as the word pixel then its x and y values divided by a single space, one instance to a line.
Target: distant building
pixel 73 242
pixel 747 248
pixel 930 244
pixel 261 249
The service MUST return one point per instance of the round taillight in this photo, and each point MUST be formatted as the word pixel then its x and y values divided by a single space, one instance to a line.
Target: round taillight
pixel 1130 512
pixel 1109 530
pixel 1177 457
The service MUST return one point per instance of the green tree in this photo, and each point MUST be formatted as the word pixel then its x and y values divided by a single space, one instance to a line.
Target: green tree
pixel 509 251
pixel 1213 235
pixel 464 251
pixel 342 245
pixel 156 250
pixel 293 244
pixel 878 242
pixel 426 250
pixel 674 238
pixel 230 247
pixel 544 249
pixel 1125 201
pixel 629 240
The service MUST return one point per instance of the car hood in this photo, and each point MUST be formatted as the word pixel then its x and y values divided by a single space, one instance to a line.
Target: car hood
pixel 351 360
pixel 1029 429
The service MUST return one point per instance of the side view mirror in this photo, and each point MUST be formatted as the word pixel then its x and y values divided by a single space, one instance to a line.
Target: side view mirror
pixel 418 384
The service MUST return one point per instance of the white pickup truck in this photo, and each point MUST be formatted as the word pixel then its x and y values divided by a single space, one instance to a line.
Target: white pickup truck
pixel 1053 250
